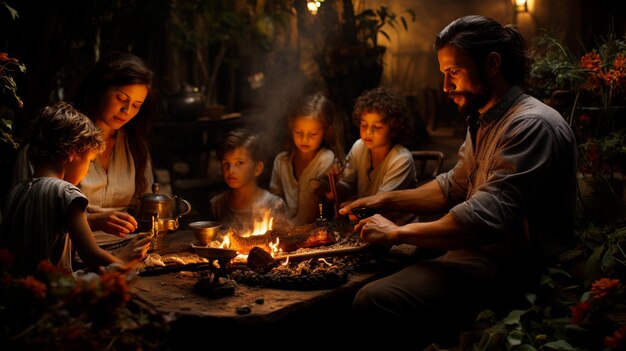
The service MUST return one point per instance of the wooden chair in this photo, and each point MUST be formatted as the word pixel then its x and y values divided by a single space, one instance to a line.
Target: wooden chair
pixel 428 164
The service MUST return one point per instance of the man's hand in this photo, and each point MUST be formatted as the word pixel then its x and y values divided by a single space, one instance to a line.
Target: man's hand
pixel 112 222
pixel 377 230
pixel 368 202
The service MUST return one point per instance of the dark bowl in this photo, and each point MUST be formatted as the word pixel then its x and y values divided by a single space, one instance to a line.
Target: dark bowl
pixel 214 252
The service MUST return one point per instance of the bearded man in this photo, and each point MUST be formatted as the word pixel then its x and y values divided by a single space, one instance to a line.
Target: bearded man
pixel 507 205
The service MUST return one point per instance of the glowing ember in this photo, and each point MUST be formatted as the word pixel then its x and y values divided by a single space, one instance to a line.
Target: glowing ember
pixel 226 242
pixel 243 242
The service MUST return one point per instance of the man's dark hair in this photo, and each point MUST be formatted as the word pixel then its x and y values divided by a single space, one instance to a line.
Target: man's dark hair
pixel 479 36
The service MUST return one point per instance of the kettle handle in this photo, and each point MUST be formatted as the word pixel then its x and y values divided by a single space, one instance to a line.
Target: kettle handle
pixel 188 208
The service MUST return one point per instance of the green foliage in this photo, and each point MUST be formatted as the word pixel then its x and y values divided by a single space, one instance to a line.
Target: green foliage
pixel 603 248
pixel 554 67
pixel 371 22
pixel 210 30
pixel 57 310
pixel 8 68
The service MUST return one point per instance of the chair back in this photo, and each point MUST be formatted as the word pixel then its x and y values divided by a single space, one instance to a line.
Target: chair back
pixel 428 164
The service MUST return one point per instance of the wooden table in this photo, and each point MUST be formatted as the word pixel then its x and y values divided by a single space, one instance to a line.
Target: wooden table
pixel 172 294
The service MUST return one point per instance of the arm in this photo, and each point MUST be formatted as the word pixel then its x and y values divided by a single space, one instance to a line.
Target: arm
pixel 426 199
pixel 89 251
pixel 445 233
pixel 84 241
pixel 112 222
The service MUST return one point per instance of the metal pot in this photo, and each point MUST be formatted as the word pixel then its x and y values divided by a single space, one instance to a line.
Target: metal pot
pixel 163 208
pixel 187 104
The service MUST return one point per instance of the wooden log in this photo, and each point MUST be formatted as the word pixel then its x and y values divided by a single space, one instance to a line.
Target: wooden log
pixel 291 240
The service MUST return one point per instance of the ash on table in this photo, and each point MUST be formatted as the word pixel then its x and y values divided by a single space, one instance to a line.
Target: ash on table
pixel 312 274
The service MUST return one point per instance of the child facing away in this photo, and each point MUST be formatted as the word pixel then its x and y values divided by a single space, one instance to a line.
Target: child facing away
pixel 314 146
pixel 44 217
pixel 244 202
pixel 377 162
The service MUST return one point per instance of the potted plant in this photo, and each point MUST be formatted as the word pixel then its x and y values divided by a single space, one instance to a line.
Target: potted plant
pixel 346 45
pixel 590 91
pixel 212 32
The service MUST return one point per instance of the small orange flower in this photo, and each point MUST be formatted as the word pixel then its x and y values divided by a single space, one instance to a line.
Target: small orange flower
pixel 603 287
pixel 617 341
pixel 45 266
pixel 591 61
pixel 38 288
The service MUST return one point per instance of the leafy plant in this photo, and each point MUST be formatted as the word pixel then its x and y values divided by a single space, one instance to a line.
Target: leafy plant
pixel 554 67
pixel 211 30
pixel 53 309
pixel 563 316
pixel 8 67
pixel 371 22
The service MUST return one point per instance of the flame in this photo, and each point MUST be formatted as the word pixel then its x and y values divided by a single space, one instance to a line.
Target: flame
pixel 261 227
pixel 226 242
pixel 285 262
pixel 243 242
pixel 274 249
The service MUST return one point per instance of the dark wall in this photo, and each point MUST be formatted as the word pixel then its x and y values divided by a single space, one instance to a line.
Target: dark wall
pixel 59 40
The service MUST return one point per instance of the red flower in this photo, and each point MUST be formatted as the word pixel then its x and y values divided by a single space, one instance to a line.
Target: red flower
pixel 584 119
pixel 38 288
pixel 579 312
pixel 45 266
pixel 603 287
pixel 617 341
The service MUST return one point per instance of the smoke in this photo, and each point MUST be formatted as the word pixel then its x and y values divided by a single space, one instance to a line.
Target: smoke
pixel 276 89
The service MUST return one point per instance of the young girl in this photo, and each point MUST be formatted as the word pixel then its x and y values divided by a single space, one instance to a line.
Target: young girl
pixel 314 147
pixel 44 217
pixel 377 162
pixel 245 201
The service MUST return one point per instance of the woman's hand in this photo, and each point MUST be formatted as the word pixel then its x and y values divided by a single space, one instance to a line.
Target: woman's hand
pixel 112 222
pixel 377 230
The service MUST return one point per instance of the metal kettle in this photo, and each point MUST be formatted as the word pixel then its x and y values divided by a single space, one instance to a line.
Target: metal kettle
pixel 163 208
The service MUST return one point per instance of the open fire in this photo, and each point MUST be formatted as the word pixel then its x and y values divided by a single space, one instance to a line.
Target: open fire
pixel 275 238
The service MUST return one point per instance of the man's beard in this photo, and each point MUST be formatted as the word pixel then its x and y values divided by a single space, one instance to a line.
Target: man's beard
pixel 473 101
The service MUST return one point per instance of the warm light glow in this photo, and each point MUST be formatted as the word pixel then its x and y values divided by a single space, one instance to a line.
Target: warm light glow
pixel 226 242
pixel 261 227
pixel 313 6
pixel 243 242
pixel 520 5
pixel 274 248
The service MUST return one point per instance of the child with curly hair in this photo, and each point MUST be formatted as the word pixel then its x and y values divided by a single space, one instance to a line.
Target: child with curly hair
pixel 378 162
